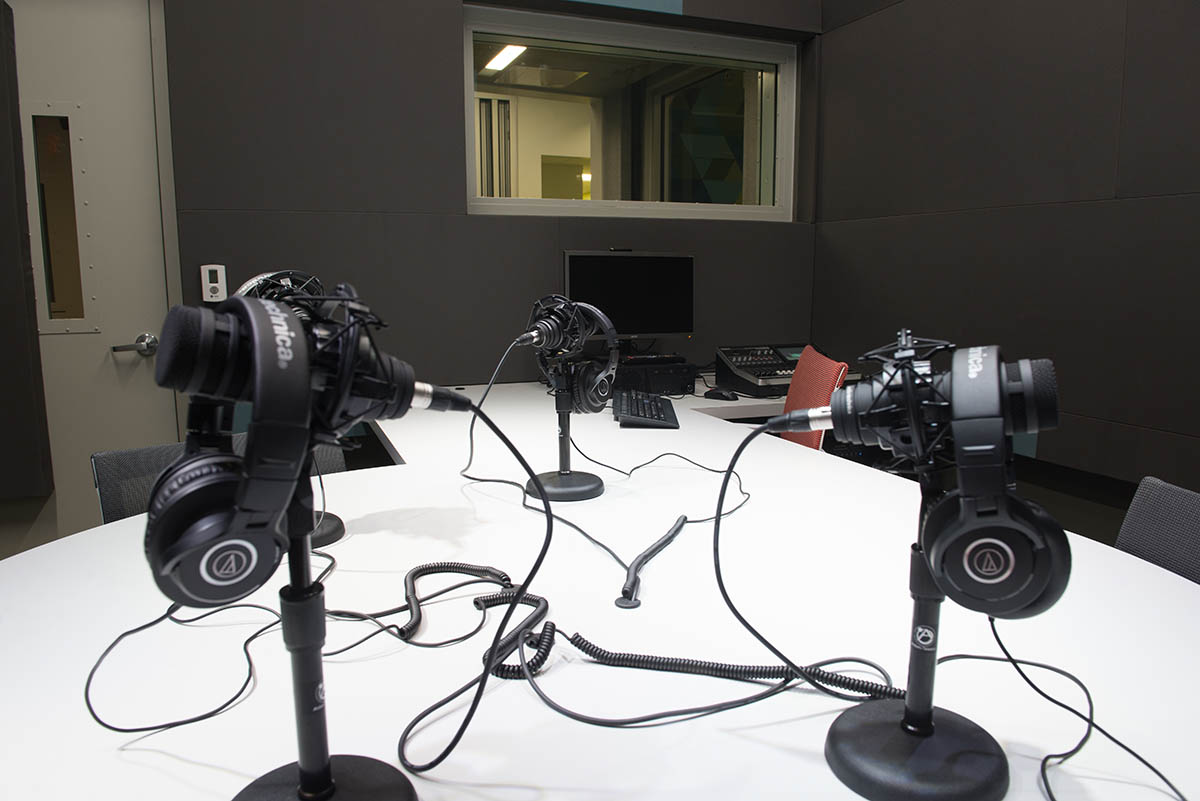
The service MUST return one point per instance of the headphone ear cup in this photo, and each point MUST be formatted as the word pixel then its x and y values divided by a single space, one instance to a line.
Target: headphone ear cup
pixel 587 399
pixel 1010 564
pixel 1059 555
pixel 190 512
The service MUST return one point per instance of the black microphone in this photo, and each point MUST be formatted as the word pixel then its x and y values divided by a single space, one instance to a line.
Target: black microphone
pixel 551 327
pixel 206 352
pixel 908 406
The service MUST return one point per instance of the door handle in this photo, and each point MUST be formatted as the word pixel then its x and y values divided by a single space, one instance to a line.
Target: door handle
pixel 146 344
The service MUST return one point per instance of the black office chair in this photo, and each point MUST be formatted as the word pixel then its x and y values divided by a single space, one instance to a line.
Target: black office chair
pixel 124 478
pixel 1163 526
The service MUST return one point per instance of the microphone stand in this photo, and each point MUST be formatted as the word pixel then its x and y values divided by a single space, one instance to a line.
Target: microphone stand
pixel 892 750
pixel 315 776
pixel 565 485
pixel 331 530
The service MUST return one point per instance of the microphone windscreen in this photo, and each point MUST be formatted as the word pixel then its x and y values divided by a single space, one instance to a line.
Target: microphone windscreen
pixel 400 375
pixel 179 348
pixel 1045 393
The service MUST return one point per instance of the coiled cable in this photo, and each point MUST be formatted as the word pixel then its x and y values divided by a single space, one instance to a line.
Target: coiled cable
pixel 480 681
pixel 509 643
pixel 542 643
pixel 410 587
pixel 724 670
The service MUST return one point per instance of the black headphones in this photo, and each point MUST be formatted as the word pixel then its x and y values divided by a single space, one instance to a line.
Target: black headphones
pixel 988 549
pixel 214 530
pixel 565 326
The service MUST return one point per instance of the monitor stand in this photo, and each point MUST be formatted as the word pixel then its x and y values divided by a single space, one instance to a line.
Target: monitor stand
pixel 631 356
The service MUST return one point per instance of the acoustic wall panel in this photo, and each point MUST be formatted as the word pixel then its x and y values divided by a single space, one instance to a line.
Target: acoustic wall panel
pixel 795 15
pixel 1122 451
pixel 1108 290
pixel 808 143
pixel 935 105
pixel 836 13
pixel 1160 122
pixel 26 470
pixel 309 105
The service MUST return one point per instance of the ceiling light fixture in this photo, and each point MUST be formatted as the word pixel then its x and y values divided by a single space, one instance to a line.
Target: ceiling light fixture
pixel 505 57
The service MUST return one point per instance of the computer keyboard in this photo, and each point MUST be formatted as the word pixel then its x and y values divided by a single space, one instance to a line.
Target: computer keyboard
pixel 633 408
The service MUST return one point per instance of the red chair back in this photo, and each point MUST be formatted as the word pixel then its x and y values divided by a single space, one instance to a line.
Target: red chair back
pixel 813 383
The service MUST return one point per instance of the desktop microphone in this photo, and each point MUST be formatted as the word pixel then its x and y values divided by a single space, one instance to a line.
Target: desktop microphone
pixel 550 325
pixel 209 353
pixel 909 409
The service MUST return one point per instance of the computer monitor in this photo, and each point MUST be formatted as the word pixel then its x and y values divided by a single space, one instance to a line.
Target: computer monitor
pixel 644 294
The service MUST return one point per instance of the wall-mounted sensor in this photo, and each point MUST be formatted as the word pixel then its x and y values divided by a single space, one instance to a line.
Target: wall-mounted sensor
pixel 212 282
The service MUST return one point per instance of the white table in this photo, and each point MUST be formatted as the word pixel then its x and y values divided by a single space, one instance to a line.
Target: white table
pixel 818 559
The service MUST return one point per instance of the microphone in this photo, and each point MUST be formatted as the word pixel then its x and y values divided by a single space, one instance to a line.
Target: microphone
pixel 207 352
pixel 908 407
pixel 551 328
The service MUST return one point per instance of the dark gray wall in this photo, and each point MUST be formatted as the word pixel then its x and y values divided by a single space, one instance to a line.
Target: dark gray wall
pixel 836 13
pixel 798 15
pixel 305 137
pixel 771 18
pixel 25 470
pixel 986 176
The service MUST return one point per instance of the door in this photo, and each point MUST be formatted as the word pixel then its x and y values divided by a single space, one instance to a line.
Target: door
pixel 85 77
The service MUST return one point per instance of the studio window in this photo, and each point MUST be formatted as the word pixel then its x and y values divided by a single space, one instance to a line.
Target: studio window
pixel 569 116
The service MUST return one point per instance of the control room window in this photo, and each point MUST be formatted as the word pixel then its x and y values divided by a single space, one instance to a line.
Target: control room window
pixel 570 116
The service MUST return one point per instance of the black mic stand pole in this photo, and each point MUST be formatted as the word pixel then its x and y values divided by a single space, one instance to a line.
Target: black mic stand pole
pixel 565 485
pixel 892 750
pixel 315 776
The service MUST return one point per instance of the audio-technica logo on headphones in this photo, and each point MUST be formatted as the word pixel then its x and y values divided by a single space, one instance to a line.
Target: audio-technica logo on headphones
pixel 974 362
pixel 228 562
pixel 988 560
pixel 284 335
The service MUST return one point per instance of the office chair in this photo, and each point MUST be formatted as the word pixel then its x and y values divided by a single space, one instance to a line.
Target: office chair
pixel 1163 526
pixel 813 381
pixel 124 478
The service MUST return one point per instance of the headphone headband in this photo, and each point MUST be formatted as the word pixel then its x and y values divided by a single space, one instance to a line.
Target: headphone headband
pixel 980 442
pixel 610 335
pixel 277 444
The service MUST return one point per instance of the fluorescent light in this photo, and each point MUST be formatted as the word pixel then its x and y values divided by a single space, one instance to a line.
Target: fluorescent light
pixel 505 57
pixel 587 176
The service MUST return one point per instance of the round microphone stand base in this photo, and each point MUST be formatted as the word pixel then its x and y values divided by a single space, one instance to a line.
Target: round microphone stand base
pixel 356 778
pixel 330 531
pixel 873 755
pixel 573 486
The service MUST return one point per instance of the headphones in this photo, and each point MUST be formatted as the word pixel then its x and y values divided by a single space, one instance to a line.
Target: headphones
pixel 988 549
pixel 564 326
pixel 214 529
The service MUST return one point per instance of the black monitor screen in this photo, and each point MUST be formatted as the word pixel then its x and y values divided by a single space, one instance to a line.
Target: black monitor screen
pixel 644 294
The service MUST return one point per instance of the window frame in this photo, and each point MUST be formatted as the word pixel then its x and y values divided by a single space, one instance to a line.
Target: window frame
pixel 479 19
pixel 80 126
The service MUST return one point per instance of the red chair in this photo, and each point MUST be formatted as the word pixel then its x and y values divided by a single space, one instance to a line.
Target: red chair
pixel 813 382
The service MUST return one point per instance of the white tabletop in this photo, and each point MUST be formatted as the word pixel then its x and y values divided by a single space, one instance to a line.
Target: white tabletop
pixel 817 559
